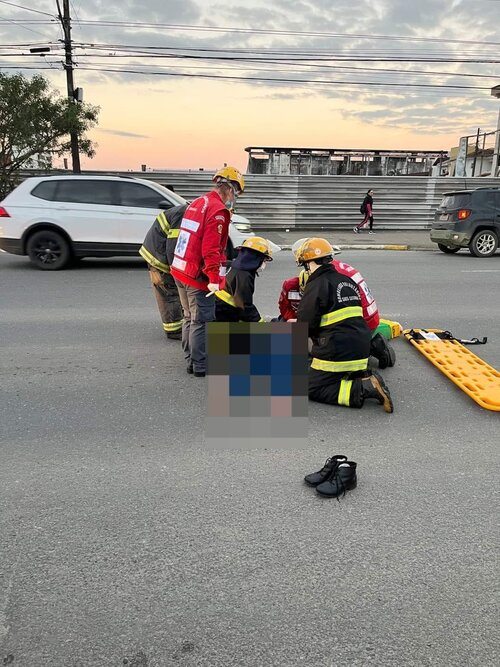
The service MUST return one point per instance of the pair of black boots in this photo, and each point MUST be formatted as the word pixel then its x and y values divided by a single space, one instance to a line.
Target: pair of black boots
pixel 337 476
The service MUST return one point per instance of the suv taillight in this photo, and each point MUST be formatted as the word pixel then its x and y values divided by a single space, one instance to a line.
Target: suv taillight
pixel 463 213
pixel 4 213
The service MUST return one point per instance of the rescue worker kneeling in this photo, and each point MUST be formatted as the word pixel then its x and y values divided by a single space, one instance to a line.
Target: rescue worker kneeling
pixel 293 288
pixel 235 302
pixel 331 305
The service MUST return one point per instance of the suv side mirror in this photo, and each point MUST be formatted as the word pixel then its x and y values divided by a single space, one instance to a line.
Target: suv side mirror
pixel 165 204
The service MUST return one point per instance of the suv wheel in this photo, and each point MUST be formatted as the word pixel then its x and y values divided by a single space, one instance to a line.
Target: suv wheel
pixel 449 250
pixel 48 250
pixel 484 243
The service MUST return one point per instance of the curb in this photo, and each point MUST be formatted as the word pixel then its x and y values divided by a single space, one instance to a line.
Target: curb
pixel 374 246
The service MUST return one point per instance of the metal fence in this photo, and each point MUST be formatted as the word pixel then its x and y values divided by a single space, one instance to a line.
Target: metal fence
pixel 326 202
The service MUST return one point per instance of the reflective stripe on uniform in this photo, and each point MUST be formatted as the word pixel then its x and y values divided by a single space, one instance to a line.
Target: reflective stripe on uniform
pixel 192 225
pixel 372 308
pixel 345 392
pixel 172 233
pixel 179 264
pixel 339 366
pixel 151 259
pixel 161 219
pixel 226 297
pixel 340 315
pixel 172 326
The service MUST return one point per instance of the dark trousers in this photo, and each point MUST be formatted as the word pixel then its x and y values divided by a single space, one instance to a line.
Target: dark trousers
pixel 368 219
pixel 336 388
pixel 167 298
pixel 198 309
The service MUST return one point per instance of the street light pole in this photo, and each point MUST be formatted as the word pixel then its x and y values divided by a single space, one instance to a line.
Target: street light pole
pixel 65 19
pixel 495 91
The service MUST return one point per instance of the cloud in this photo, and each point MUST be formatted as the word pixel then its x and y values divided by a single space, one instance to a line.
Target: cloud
pixel 123 133
pixel 417 109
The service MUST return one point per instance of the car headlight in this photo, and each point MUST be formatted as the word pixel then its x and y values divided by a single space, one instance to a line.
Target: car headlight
pixel 242 227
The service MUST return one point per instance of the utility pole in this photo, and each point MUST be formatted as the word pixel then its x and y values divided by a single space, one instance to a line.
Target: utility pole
pixel 65 19
pixel 476 150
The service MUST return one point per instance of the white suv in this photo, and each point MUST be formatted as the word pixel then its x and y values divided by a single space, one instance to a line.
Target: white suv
pixel 57 219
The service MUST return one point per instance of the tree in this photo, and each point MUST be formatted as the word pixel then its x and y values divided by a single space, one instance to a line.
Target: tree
pixel 35 123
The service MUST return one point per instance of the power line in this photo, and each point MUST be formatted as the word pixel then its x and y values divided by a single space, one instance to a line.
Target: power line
pixel 351 69
pixel 28 9
pixel 264 54
pixel 21 24
pixel 289 81
pixel 262 31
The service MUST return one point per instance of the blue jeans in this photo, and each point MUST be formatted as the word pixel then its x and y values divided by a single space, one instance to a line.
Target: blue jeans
pixel 198 309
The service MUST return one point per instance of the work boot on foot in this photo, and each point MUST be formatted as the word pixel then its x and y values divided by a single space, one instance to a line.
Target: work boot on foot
pixel 174 335
pixel 316 478
pixel 381 350
pixel 342 479
pixel 374 387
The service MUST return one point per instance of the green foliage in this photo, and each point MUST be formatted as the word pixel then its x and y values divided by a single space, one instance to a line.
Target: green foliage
pixel 36 121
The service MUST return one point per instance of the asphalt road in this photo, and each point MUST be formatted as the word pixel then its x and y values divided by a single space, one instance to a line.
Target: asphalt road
pixel 125 542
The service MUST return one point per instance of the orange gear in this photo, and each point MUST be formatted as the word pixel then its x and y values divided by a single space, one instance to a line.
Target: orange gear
pixel 232 175
pixel 312 249
pixel 259 244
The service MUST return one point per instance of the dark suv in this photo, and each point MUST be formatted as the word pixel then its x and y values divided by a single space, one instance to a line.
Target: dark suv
pixel 468 219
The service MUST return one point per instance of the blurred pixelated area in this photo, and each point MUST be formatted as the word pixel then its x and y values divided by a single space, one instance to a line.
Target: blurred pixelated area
pixel 257 384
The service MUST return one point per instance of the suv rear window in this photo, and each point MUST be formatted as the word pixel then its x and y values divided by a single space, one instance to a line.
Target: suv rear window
pixel 457 201
pixel 85 192
pixel 45 190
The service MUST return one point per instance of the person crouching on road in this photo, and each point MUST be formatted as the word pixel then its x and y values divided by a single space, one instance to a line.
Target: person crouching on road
pixel 331 305
pixel 154 250
pixel 235 302
pixel 293 288
pixel 198 262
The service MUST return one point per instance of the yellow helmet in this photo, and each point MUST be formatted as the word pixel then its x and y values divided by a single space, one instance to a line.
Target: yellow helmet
pixel 312 249
pixel 298 244
pixel 232 175
pixel 259 244
pixel 303 276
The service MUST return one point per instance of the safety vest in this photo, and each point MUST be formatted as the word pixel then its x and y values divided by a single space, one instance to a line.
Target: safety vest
pixel 199 253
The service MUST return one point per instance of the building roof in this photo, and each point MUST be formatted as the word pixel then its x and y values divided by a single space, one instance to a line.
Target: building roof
pixel 344 151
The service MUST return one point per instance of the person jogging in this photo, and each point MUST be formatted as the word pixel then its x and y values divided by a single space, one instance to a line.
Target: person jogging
pixel 366 209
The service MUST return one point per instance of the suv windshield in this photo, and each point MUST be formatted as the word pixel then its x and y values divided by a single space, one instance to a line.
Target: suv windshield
pixel 456 201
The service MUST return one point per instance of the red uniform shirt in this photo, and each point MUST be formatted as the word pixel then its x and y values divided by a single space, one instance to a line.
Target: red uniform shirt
pixel 290 295
pixel 199 254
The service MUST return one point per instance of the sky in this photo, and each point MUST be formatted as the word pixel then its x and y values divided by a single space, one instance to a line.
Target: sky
pixel 171 112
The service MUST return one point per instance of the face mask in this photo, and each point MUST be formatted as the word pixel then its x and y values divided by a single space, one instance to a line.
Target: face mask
pixel 262 266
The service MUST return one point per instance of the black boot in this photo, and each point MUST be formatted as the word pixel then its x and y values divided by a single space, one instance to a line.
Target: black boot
pixel 316 478
pixel 374 387
pixel 381 350
pixel 174 335
pixel 342 479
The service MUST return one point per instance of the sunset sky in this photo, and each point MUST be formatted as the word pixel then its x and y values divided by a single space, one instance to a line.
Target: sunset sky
pixel 190 122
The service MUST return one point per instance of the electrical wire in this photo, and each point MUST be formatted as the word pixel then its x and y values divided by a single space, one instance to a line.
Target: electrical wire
pixel 288 81
pixel 28 9
pixel 295 33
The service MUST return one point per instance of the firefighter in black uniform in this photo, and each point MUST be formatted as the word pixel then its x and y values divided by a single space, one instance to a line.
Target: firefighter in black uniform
pixel 162 234
pixel 235 302
pixel 331 305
